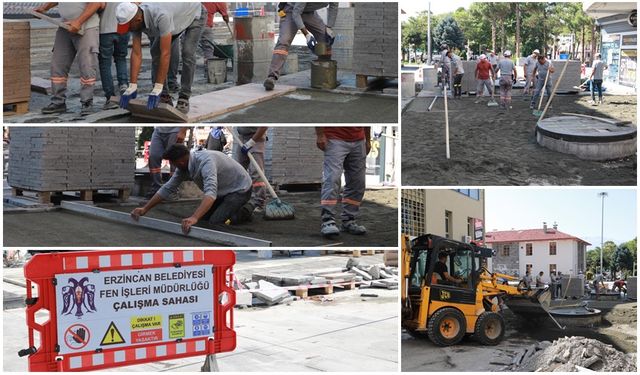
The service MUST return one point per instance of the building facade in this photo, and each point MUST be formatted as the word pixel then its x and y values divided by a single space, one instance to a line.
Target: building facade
pixel 457 214
pixel 545 249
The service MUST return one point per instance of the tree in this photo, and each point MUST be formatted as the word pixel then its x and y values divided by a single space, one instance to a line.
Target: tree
pixel 621 260
pixel 517 10
pixel 449 32
pixel 414 33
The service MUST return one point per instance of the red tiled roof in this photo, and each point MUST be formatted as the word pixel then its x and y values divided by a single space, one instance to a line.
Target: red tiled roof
pixel 529 235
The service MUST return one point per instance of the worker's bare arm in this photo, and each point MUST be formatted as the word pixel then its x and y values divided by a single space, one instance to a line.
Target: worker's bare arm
pixel 136 56
pixel 182 134
pixel 367 136
pixel 165 58
pixel 259 135
pixel 321 139
pixel 141 211
pixel 203 208
pixel 45 7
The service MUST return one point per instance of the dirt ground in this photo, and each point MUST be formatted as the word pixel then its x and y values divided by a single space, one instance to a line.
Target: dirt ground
pixel 490 146
pixel 378 214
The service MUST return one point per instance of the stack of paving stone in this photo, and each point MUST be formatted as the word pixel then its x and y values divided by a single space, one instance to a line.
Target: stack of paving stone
pixel 571 77
pixel 16 64
pixel 291 156
pixel 71 158
pixel 375 45
pixel 342 49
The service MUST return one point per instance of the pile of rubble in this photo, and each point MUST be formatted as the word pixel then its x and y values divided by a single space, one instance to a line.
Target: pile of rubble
pixel 278 288
pixel 570 354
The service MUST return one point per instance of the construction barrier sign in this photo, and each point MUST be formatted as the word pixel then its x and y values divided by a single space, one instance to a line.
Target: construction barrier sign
pixel 117 308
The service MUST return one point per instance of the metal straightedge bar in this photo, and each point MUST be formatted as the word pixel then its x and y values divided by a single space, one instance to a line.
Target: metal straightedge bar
pixel 204 234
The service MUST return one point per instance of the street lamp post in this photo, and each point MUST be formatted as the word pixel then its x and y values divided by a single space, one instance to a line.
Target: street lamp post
pixel 429 34
pixel 602 194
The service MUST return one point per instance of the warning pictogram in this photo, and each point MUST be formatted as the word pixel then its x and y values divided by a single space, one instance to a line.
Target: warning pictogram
pixel 112 336
pixel 176 326
pixel 77 336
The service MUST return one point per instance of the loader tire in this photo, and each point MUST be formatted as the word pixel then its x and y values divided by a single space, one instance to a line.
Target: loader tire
pixel 489 328
pixel 446 327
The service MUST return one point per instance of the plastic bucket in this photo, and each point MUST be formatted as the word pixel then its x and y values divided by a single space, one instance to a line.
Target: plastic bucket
pixel 216 71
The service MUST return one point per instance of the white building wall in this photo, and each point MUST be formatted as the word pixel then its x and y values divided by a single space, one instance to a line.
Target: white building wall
pixel 565 258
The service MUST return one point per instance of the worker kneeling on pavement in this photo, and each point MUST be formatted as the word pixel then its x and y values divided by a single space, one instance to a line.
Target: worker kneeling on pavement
pixel 303 17
pixel 225 183
pixel 345 150
pixel 80 17
pixel 165 23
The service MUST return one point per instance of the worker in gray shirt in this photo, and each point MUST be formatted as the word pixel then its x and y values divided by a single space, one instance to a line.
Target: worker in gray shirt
pixel 225 183
pixel 529 66
pixel 597 75
pixel 543 67
pixel 457 72
pixel 303 17
pixel 113 47
pixel 508 76
pixel 165 23
pixel 80 17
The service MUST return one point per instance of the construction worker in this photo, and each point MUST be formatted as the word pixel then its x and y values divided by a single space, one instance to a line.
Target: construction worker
pixel 539 281
pixel 529 66
pixel 206 41
pixel 253 140
pixel 162 139
pixel 445 66
pixel 442 270
pixel 543 67
pixel 67 46
pixel 226 186
pixel 598 284
pixel 457 72
pixel 527 280
pixel 508 77
pixel 345 151
pixel 554 284
pixel 597 75
pixel 493 59
pixel 113 47
pixel 303 17
pixel 484 76
pixel 166 23
pixel 216 140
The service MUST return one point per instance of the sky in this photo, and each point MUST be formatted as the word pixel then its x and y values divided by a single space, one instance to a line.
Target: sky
pixel 577 212
pixel 437 7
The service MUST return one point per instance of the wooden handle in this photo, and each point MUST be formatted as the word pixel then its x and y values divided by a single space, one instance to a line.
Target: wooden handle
pixel 543 89
pixel 553 93
pixel 54 21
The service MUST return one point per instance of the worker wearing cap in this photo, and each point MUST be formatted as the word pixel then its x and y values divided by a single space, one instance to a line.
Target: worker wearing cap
pixel 206 41
pixel 303 17
pixel 457 72
pixel 345 151
pixel 253 140
pixel 445 66
pixel 543 67
pixel 114 47
pixel 484 77
pixel 493 59
pixel 529 66
pixel 68 44
pixel 225 184
pixel 508 75
pixel 166 23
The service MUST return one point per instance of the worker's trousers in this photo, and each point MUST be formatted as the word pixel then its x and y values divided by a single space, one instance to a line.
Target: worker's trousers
pixel 230 207
pixel 457 85
pixel 529 82
pixel 160 142
pixel 259 190
pixel 113 47
pixel 482 83
pixel 206 42
pixel 596 84
pixel 350 158
pixel 190 37
pixel 288 31
pixel 538 91
pixel 67 46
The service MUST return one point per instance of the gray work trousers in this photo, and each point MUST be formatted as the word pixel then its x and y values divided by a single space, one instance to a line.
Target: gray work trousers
pixel 350 158
pixel 66 47
pixel 482 83
pixel 190 38
pixel 229 207
pixel 259 190
pixel 206 41
pixel 288 31
pixel 538 91
pixel 160 142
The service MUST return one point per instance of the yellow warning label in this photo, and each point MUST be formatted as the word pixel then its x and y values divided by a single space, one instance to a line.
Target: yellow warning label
pixel 176 326
pixel 112 336
pixel 146 322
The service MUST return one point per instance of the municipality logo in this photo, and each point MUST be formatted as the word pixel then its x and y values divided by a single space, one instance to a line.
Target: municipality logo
pixel 78 295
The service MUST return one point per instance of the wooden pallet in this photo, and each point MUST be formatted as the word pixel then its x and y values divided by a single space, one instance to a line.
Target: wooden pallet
pixel 18 108
pixel 44 197
pixel 362 80
pixel 304 291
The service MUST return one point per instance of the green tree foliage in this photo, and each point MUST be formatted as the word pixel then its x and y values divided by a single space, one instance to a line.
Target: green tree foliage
pixel 621 260
pixel 450 33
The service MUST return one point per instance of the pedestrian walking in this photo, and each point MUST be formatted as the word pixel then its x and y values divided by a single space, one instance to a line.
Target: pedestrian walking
pixel 597 75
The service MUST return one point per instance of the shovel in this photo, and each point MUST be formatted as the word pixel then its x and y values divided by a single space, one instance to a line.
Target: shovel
pixel 538 112
pixel 276 209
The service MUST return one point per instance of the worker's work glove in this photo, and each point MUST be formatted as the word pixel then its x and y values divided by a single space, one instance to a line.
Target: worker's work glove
pixel 330 36
pixel 154 96
pixel 130 93
pixel 515 80
pixel 248 146
pixel 311 41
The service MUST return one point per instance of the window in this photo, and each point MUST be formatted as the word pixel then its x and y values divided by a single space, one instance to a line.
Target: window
pixel 470 228
pixel 529 249
pixel 552 269
pixel 448 222
pixel 413 212
pixel 552 248
pixel 471 193
pixel 505 250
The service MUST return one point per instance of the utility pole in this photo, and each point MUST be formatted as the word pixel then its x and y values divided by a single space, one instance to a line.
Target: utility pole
pixel 429 34
pixel 603 195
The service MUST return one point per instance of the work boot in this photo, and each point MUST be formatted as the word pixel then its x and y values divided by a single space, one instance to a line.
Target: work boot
pixel 183 105
pixel 164 98
pixel 110 104
pixel 87 108
pixel 54 108
pixel 123 88
pixel 269 83
pixel 353 228
pixel 329 228
pixel 173 87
